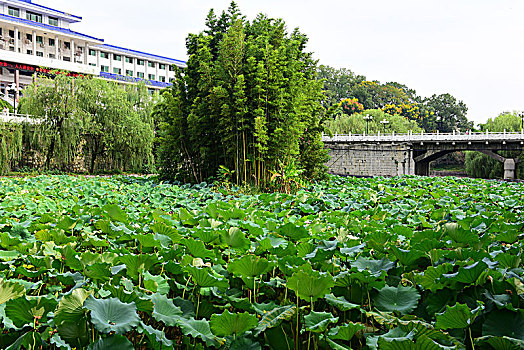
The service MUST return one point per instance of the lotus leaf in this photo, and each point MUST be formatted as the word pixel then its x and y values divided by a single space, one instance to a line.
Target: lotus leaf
pixel 457 316
pixel 31 311
pixel 165 310
pixel 274 317
pixel 319 321
pixel 112 342
pixel 112 315
pixel 309 284
pixel 400 299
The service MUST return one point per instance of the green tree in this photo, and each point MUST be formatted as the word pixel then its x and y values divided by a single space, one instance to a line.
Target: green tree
pixel 57 134
pixel 119 129
pixel 449 114
pixel 11 145
pixel 356 123
pixel 248 102
pixel 103 122
pixel 483 166
pixel 338 84
pixel 374 95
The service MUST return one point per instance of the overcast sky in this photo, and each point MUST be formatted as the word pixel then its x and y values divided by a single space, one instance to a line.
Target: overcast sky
pixel 472 49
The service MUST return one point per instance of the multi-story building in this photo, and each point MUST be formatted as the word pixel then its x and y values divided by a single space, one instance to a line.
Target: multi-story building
pixel 36 38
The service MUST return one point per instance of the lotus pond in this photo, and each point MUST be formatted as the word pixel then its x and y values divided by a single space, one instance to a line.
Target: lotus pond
pixel 130 263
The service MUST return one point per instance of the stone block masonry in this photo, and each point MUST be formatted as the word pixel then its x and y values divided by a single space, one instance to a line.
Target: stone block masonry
pixel 411 154
pixel 359 159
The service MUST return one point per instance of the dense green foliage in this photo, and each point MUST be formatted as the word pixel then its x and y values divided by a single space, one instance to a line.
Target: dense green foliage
pixel 483 166
pixel 438 112
pixel 11 145
pixel 103 123
pixel 122 263
pixel 449 113
pixel 248 102
pixel 356 124
pixel 5 104
pixel 338 84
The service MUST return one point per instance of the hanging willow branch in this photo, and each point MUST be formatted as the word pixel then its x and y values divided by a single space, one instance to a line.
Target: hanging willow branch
pixel 105 125
pixel 11 145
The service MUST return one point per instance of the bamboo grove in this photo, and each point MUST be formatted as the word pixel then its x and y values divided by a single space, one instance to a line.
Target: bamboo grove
pixel 247 104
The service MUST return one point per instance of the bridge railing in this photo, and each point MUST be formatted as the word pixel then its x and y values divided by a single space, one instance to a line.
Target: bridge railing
pixel 427 137
pixel 17 118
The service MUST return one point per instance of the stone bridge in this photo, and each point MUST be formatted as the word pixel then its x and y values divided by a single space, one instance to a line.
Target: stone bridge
pixel 411 154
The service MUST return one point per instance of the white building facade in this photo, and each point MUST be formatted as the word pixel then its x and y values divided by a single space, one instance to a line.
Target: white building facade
pixel 35 38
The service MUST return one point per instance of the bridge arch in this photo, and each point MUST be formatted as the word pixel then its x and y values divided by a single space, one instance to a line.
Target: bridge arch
pixel 422 161
pixel 411 154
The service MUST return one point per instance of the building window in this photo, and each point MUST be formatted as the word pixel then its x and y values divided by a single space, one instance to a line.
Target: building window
pixel 140 75
pixel 171 80
pixel 117 57
pixel 52 55
pixel 40 54
pixel 162 79
pixel 140 62
pixel 13 11
pixel 12 34
pixel 29 52
pixel 104 54
pixel 67 45
pixel 171 68
pixel 117 70
pixel 39 40
pixel 151 76
pixel 129 59
pixel 67 59
pixel 35 17
pixel 51 42
pixel 104 69
pixel 92 52
pixel 29 37
pixel 129 73
pixel 162 66
pixel 151 64
pixel 53 21
pixel 92 64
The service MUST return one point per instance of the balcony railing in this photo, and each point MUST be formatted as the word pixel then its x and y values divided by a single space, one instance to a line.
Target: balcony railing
pixel 18 118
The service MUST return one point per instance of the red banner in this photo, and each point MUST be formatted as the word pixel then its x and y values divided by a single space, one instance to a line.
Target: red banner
pixel 29 68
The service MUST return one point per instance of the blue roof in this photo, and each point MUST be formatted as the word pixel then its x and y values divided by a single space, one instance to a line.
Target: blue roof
pixel 112 47
pixel 119 77
pixel 48 8
pixel 48 27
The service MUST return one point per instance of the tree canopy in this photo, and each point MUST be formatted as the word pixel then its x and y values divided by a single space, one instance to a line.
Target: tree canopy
pixel 438 112
pixel 247 103
pixel 356 124
pixel 105 123
pixel 449 113
pixel 483 166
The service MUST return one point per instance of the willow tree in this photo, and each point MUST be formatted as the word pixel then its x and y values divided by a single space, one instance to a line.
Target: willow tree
pixel 248 101
pixel 11 145
pixel 102 122
pixel 119 129
pixel 59 126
